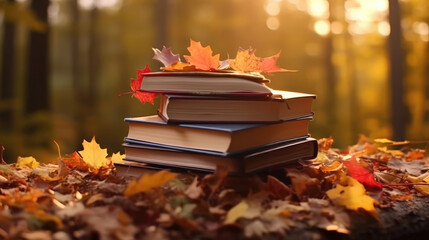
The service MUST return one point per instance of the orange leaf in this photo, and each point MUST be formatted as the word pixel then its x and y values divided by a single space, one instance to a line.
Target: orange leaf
pixel 75 161
pixel 201 57
pixel 246 61
pixel 93 155
pixel 268 65
pixel 148 182
pixel 179 67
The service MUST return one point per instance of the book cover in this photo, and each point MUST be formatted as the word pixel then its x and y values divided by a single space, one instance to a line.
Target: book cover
pixel 282 105
pixel 222 137
pixel 253 160
pixel 205 83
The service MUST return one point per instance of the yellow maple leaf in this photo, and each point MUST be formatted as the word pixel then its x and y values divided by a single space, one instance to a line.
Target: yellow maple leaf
pixel 30 162
pixel 236 212
pixel 93 155
pixel 353 196
pixel 117 157
pixel 246 61
pixel 148 182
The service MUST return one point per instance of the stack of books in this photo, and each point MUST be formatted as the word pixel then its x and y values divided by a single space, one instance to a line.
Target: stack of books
pixel 206 119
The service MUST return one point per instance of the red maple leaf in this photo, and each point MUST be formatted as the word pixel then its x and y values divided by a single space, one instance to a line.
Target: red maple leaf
pixel 362 174
pixel 268 65
pixel 135 87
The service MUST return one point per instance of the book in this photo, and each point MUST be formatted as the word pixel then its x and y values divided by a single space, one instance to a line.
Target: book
pixel 253 160
pixel 205 83
pixel 221 137
pixel 282 105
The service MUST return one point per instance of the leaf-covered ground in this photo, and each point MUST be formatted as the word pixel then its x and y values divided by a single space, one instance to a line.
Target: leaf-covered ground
pixel 79 196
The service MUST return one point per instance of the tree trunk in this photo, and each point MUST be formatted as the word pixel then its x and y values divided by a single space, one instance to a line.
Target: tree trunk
pixel 396 72
pixel 7 74
pixel 161 22
pixel 37 84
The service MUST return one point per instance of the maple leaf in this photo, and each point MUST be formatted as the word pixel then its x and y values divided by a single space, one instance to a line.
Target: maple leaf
pixel 201 57
pixel 30 162
pixel 352 196
pixel 414 168
pixel 135 85
pixel 75 161
pixel 180 67
pixel 93 155
pixel 362 174
pixel 268 65
pixel 165 56
pixel 278 189
pixel 302 184
pixel 117 157
pixel 148 182
pixel 246 61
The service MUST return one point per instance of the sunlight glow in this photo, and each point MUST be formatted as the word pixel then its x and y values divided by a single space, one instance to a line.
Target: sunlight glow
pixel 383 28
pixel 337 27
pixel 105 4
pixel 273 23
pixel 421 28
pixel 322 27
pixel 318 8
pixel 272 8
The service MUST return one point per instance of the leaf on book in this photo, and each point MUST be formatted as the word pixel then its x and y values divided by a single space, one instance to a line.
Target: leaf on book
pixel 165 56
pixel 202 57
pixel 30 162
pixel 361 174
pixel 180 67
pixel 269 65
pixel 148 182
pixel 352 196
pixel 93 155
pixel 246 61
pixel 135 85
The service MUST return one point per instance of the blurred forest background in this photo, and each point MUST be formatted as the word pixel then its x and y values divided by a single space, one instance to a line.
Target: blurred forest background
pixel 64 62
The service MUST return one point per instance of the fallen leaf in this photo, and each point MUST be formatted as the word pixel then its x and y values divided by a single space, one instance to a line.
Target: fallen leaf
pixel 352 196
pixel 117 157
pixel 135 85
pixel 214 181
pixel 362 174
pixel 180 67
pixel 246 61
pixel 332 167
pixel 202 57
pixel 236 212
pixel 166 57
pixel 75 161
pixel 415 154
pixel 388 142
pixel 304 185
pixel 278 189
pixel 325 144
pixel 148 182
pixel 30 162
pixel 268 65
pixel 93 155
pixel 414 168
